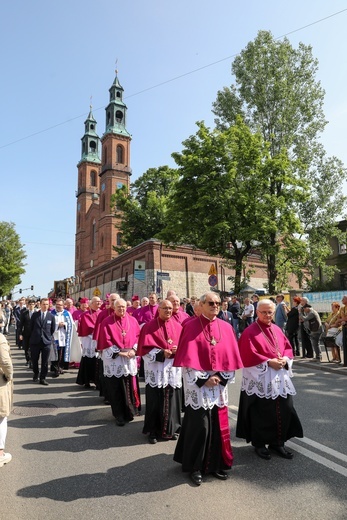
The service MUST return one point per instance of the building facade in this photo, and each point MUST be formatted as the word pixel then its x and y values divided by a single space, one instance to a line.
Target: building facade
pixel 103 168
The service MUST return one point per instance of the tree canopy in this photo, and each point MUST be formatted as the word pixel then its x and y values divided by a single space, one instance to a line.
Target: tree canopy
pixel 12 258
pixel 143 211
pixel 278 95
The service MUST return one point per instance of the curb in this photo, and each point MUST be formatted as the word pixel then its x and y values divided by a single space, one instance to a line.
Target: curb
pixel 333 368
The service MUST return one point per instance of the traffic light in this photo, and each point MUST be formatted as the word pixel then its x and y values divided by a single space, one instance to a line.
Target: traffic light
pixel 31 287
pixel 20 291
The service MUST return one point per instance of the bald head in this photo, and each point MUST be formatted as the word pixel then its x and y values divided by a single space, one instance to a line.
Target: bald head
pixel 95 303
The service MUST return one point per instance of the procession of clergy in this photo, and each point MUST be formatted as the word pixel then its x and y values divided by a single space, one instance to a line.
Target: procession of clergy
pixel 187 361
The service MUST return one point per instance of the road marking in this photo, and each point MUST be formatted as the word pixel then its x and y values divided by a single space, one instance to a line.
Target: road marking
pixel 310 454
pixel 325 449
pixel 318 458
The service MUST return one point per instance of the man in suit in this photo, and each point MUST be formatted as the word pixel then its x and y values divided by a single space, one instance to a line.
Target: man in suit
pixel 42 327
pixel 24 328
pixel 19 307
pixel 235 308
pixel 224 314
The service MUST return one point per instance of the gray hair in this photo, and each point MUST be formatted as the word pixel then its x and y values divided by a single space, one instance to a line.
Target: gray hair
pixel 265 301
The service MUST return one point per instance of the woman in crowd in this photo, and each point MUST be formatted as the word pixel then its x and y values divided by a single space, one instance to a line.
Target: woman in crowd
pixel 6 392
pixel 331 331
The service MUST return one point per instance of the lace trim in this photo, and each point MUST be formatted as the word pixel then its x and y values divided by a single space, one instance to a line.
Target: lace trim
pixel 120 366
pixel 159 374
pixel 267 382
pixel 205 397
pixel 88 348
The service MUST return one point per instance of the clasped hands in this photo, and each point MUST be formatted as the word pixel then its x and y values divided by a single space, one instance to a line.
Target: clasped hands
pixel 169 352
pixel 129 354
pixel 277 363
pixel 212 381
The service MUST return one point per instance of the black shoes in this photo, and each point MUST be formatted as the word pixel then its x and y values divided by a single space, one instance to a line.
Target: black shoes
pixel 196 477
pixel 43 382
pixel 263 453
pixel 120 421
pixel 152 439
pixel 35 379
pixel 220 474
pixel 282 452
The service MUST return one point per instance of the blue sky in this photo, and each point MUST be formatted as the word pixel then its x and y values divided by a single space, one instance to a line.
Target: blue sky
pixel 56 55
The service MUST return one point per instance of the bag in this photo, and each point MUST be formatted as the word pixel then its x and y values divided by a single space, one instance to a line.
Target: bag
pixel 332 332
pixel 338 339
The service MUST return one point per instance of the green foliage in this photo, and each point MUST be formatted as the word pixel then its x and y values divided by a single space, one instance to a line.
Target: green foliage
pixel 12 256
pixel 277 94
pixel 217 201
pixel 143 211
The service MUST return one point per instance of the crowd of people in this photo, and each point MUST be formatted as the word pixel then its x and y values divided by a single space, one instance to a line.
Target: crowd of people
pixel 187 352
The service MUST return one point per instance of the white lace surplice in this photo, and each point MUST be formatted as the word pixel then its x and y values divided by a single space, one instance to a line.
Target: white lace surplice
pixel 120 366
pixel 267 382
pixel 88 348
pixel 205 397
pixel 158 374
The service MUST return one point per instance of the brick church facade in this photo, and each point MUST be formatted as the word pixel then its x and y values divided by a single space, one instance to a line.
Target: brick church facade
pixel 103 168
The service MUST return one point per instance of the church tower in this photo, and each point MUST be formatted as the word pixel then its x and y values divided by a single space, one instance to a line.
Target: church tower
pixel 115 171
pixel 88 190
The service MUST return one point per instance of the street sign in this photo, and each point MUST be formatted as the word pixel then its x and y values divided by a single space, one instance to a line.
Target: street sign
pixel 96 292
pixel 163 276
pixel 212 270
pixel 212 280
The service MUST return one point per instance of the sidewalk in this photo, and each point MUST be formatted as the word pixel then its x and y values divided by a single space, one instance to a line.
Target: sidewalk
pixel 322 365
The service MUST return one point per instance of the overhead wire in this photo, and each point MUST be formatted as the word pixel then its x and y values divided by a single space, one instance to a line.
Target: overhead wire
pixel 157 85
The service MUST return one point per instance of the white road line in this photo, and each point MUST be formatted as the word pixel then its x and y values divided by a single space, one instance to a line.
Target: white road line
pixel 325 449
pixel 318 458
pixel 310 454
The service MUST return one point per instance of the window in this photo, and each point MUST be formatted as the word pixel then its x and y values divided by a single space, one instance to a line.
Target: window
pixel 120 154
pixel 93 178
pixel 119 239
pixel 103 203
pixel 342 249
pixel 92 146
pixel 93 235
pixel 119 116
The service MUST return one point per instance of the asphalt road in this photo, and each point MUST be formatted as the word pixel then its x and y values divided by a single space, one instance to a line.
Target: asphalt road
pixel 71 462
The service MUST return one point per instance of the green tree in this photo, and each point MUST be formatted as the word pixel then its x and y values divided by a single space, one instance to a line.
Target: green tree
pixel 12 257
pixel 277 94
pixel 220 201
pixel 143 211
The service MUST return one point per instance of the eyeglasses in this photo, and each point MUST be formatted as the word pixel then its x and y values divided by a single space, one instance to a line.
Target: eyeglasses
pixel 212 304
pixel 266 313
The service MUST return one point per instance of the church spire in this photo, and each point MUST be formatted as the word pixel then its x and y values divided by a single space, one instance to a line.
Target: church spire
pixel 90 140
pixel 116 110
